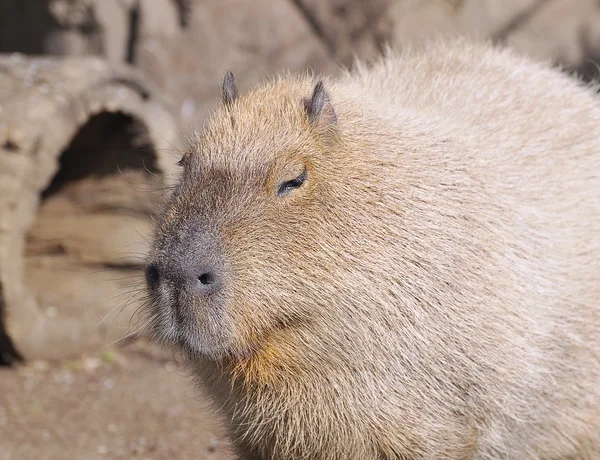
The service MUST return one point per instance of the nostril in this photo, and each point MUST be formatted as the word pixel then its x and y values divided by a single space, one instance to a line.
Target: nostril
pixel 152 275
pixel 209 282
pixel 206 279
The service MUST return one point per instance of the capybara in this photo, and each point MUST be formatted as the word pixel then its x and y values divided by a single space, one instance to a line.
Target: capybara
pixel 400 263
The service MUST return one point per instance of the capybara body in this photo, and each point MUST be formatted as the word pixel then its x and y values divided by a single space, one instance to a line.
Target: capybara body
pixel 403 263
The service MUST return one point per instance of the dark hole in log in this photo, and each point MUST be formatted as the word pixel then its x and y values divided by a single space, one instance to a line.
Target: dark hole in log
pixel 108 143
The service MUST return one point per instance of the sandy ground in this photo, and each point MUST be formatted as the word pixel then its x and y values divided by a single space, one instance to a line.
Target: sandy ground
pixel 132 403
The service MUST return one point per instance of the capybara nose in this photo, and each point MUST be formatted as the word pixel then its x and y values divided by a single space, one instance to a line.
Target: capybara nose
pixel 202 279
pixel 194 277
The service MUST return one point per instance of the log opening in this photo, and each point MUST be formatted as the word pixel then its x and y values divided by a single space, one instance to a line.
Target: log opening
pixel 85 252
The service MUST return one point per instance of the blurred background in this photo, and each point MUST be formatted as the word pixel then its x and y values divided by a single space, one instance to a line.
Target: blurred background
pixel 98 98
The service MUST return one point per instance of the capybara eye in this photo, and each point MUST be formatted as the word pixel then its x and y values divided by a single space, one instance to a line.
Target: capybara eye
pixel 285 188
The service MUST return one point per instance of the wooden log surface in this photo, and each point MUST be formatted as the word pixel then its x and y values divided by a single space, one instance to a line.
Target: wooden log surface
pixel 86 150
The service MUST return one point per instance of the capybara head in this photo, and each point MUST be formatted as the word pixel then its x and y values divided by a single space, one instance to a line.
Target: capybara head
pixel 239 243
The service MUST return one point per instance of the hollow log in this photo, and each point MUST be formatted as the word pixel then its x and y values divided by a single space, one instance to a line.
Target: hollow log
pixel 86 150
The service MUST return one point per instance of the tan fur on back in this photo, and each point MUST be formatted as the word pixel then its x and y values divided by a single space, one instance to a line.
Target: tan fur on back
pixel 434 291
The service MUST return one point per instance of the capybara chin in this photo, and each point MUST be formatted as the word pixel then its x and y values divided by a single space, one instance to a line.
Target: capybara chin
pixel 402 263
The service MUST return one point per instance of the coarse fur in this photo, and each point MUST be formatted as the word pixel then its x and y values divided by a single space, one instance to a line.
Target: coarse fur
pixel 431 291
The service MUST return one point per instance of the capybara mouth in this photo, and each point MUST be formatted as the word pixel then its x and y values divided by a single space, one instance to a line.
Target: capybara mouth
pixel 178 323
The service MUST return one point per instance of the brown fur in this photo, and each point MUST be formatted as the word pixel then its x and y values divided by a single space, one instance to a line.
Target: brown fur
pixel 431 292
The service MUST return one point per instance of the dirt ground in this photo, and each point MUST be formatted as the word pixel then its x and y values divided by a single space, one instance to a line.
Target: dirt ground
pixel 131 403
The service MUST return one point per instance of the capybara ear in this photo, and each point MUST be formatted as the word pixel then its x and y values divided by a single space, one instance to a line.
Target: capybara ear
pixel 319 108
pixel 229 91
